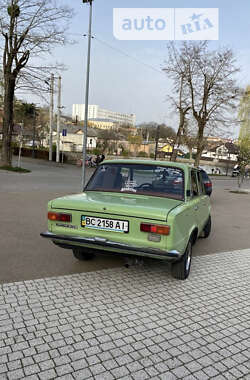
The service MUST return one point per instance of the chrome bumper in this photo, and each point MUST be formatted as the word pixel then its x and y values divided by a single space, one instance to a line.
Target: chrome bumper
pixel 99 243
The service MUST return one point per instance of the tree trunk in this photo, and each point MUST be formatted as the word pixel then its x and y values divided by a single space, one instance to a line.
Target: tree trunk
pixel 190 154
pixel 198 157
pixel 200 147
pixel 178 135
pixel 6 157
pixel 178 138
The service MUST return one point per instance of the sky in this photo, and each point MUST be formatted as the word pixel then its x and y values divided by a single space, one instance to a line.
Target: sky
pixel 126 76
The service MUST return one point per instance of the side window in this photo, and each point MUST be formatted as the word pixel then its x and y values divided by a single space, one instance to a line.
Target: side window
pixel 200 184
pixel 194 184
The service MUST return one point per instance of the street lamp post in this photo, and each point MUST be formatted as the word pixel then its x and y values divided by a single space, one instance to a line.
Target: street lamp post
pixel 51 116
pixel 157 140
pixel 59 107
pixel 85 129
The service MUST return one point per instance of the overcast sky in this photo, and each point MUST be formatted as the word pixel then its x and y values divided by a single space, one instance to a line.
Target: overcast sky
pixel 128 85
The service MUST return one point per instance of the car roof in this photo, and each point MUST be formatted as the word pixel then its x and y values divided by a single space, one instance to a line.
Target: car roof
pixel 179 165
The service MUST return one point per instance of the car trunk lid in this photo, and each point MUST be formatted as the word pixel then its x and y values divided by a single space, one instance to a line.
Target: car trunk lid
pixel 117 204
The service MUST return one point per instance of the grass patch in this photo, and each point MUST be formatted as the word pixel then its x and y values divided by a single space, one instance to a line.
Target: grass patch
pixel 218 175
pixel 238 192
pixel 14 169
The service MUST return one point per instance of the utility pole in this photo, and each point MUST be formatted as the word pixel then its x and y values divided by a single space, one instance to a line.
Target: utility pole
pixel 85 130
pixel 20 145
pixel 157 140
pixel 34 133
pixel 58 119
pixel 51 116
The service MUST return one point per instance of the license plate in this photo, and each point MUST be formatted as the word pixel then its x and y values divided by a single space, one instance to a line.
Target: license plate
pixel 105 224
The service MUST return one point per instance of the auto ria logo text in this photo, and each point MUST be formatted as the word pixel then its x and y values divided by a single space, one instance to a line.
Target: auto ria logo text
pixel 166 23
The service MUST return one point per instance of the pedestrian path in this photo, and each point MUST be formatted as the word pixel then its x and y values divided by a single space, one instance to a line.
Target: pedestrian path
pixel 136 323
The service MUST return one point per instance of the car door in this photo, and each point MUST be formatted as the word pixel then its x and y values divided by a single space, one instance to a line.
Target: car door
pixel 197 199
pixel 204 200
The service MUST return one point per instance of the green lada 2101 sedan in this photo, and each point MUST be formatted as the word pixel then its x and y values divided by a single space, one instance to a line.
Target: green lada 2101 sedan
pixel 134 208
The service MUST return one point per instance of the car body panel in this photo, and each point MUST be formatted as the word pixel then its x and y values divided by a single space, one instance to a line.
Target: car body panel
pixel 118 204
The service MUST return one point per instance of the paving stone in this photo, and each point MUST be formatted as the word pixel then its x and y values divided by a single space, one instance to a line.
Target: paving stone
pixel 16 374
pixel 193 366
pixel 134 367
pixel 106 376
pixel 180 372
pixel 63 369
pixel 82 374
pixel 3 369
pixel 161 367
pixel 97 369
pixel 166 376
pixel 140 375
pixel 14 365
pixel 31 369
pixel 66 377
pixel 124 359
pixel 152 371
pixel 138 324
pixel 201 375
pixel 119 372
pixel 47 364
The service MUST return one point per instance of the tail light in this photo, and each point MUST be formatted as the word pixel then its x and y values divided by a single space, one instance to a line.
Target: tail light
pixel 155 229
pixel 207 184
pixel 59 217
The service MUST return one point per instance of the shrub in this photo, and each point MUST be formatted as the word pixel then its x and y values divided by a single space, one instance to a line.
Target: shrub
pixel 96 151
pixel 152 155
pixel 142 154
pixel 125 153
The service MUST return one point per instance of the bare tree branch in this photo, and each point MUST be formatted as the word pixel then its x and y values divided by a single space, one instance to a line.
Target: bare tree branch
pixel 29 29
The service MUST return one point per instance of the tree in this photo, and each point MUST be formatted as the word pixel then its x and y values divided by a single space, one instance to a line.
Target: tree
pixel 148 131
pixel 135 141
pixel 29 29
pixel 107 138
pixel 183 108
pixel 24 113
pixel 243 157
pixel 208 78
pixel 244 114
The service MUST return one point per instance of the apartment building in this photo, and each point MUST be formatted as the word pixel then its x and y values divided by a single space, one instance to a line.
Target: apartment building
pixel 96 112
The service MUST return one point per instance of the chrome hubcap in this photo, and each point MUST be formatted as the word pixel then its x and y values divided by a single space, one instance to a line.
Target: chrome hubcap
pixel 188 259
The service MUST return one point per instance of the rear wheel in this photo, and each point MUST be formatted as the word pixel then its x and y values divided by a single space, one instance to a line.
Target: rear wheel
pixel 207 228
pixel 82 255
pixel 181 269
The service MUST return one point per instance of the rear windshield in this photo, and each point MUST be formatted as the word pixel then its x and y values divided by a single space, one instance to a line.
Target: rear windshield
pixel 204 175
pixel 159 181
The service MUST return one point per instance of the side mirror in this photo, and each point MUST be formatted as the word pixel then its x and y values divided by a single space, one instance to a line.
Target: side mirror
pixel 188 193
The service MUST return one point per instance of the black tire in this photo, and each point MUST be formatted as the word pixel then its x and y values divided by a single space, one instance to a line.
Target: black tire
pixel 207 228
pixel 82 255
pixel 181 269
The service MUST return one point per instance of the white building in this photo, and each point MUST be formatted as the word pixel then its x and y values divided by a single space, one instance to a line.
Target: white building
pixel 73 141
pixel 228 151
pixel 95 112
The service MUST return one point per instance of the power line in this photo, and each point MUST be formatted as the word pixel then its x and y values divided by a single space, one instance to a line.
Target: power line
pixel 121 52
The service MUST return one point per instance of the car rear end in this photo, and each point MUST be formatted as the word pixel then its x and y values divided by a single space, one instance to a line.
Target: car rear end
pixel 207 183
pixel 124 209
pixel 123 226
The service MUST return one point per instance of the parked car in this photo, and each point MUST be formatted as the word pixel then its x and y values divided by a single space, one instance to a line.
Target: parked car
pixel 207 182
pixel 134 208
pixel 236 171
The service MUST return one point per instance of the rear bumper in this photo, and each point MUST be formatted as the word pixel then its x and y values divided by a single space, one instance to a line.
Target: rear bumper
pixel 110 246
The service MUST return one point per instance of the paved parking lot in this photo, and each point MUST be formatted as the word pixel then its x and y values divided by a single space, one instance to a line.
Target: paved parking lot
pixel 24 255
pixel 136 324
